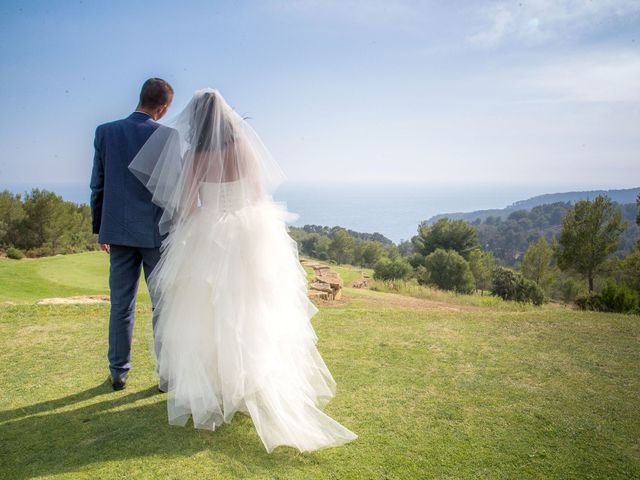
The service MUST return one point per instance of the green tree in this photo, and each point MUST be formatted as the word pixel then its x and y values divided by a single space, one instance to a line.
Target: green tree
pixel 392 252
pixel 638 219
pixel 45 221
pixel 537 264
pixel 405 247
pixel 481 264
pixel 447 269
pixel 590 232
pixel 341 247
pixel 456 235
pixel 371 252
pixel 11 216
pixel 631 270
pixel 386 269
pixel 308 242
pixel 322 248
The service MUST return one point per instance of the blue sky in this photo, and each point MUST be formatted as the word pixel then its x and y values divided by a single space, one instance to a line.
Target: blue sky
pixel 538 93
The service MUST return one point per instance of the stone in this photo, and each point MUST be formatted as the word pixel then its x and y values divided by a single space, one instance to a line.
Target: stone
pixel 326 284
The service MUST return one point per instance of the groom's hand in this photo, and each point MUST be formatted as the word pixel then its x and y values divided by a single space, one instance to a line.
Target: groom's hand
pixel 105 247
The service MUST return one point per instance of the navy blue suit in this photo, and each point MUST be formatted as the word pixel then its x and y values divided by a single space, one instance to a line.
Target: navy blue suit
pixel 124 217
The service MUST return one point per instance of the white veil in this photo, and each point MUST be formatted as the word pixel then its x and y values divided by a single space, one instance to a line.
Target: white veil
pixel 208 142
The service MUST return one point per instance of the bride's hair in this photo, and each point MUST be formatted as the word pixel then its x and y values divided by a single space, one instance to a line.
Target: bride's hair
pixel 212 127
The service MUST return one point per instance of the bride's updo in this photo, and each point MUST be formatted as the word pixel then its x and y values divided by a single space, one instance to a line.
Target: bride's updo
pixel 212 126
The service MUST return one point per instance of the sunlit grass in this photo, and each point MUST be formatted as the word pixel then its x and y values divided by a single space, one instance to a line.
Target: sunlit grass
pixel 491 393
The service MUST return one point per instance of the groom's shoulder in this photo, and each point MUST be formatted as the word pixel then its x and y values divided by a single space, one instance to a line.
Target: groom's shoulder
pixel 109 125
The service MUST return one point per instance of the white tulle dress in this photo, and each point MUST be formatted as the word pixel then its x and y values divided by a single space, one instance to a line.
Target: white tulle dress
pixel 234 324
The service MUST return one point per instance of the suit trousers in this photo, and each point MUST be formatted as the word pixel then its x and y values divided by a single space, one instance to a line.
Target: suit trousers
pixel 126 264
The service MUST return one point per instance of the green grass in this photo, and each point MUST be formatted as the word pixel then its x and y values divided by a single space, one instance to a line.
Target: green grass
pixel 60 276
pixel 411 288
pixel 482 392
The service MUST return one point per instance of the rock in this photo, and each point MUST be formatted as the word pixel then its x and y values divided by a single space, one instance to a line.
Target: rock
pixel 321 287
pixel 329 277
pixel 319 294
pixel 362 282
pixel 326 283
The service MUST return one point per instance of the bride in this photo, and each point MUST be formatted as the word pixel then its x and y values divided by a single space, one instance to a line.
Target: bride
pixel 234 331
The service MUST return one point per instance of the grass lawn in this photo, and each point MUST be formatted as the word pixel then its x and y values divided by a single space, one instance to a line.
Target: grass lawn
pixel 434 389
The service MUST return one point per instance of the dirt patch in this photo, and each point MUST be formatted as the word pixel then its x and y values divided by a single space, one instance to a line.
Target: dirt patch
pixel 78 300
pixel 394 300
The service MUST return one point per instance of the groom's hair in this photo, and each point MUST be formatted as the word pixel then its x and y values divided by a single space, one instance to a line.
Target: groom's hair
pixel 155 92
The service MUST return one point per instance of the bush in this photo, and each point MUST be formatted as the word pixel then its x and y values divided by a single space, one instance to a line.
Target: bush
pixel 504 283
pixel 397 269
pixel 15 253
pixel 590 301
pixel 619 298
pixel 510 285
pixel 613 298
pixel 44 251
pixel 529 291
pixel 448 270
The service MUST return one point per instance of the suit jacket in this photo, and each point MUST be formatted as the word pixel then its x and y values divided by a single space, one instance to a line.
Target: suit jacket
pixel 121 206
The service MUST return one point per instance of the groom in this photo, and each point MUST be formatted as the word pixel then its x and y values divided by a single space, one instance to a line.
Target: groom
pixel 125 218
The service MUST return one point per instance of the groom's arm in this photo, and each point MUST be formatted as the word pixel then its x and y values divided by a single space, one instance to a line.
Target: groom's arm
pixel 97 182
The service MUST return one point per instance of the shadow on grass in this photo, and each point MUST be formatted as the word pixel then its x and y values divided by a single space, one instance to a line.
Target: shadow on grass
pixel 37 441
pixel 50 405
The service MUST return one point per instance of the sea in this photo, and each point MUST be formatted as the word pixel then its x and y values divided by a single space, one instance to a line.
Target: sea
pixel 392 209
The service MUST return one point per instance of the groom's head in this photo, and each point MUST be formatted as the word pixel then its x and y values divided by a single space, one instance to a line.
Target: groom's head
pixel 155 97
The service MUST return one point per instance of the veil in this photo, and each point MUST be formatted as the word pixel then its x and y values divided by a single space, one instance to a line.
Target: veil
pixel 207 142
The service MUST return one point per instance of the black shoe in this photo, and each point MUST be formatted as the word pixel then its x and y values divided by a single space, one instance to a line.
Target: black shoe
pixel 163 386
pixel 118 383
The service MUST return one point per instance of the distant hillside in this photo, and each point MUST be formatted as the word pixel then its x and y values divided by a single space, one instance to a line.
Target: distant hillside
pixel 624 196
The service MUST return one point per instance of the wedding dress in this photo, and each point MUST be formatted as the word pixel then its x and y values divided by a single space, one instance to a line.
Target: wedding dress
pixel 234 331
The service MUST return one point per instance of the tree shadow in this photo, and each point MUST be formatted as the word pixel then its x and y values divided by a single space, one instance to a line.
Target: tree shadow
pixel 37 441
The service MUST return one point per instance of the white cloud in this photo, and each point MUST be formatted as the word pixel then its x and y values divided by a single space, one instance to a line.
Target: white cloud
pixel 537 21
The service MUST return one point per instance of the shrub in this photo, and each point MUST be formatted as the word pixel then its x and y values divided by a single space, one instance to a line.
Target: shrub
pixel 590 301
pixel 397 269
pixel 15 253
pixel 619 298
pixel 504 283
pixel 448 270
pixel 613 298
pixel 529 291
pixel 44 251
pixel 510 285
